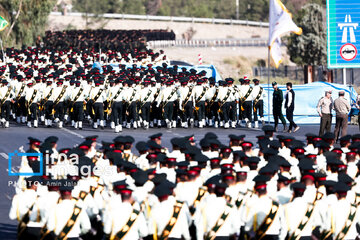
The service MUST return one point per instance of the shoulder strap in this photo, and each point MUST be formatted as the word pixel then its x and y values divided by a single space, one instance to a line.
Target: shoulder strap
pixel 5 97
pixel 126 228
pixel 297 233
pixel 200 195
pixel 258 96
pixel 20 92
pixel 24 220
pixel 169 227
pixel 227 95
pixel 60 95
pixel 147 95
pixel 215 96
pixel 247 94
pixel 132 96
pixel 348 223
pixel 201 95
pixel 171 94
pixel 261 231
pixel 78 94
pixel 98 94
pixel 71 222
pixel 157 93
pixel 46 99
pixel 219 223
pixel 187 98
pixel 32 97
pixel 241 198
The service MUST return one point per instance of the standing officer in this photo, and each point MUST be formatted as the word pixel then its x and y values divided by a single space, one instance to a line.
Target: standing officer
pixel 290 106
pixel 342 109
pixel 277 105
pixel 258 102
pixel 324 107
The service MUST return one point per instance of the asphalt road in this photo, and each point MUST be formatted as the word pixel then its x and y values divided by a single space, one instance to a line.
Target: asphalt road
pixel 15 138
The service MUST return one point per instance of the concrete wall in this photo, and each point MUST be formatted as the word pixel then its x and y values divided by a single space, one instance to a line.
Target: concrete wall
pixel 202 30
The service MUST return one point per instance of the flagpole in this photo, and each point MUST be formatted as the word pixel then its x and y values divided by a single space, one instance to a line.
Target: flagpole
pixel 2 50
pixel 268 85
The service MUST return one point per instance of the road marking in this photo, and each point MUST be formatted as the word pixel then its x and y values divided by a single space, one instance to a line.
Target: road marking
pixel 73 133
pixel 4 155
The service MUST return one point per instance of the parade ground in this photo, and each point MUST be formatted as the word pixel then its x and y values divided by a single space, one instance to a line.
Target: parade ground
pixel 16 138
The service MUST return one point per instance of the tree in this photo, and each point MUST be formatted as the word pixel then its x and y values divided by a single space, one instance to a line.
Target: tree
pixel 28 17
pixel 309 48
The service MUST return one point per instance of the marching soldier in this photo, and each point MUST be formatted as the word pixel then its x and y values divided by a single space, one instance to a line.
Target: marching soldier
pixel 300 215
pixel 123 218
pixel 59 102
pixel 98 97
pixel 6 98
pixel 155 113
pixel 246 101
pixel 233 102
pixel 77 99
pixel 131 98
pixel 186 104
pixel 200 91
pixel 224 100
pixel 217 218
pixel 19 89
pixel 47 103
pixel 170 216
pixel 145 100
pixel 26 211
pixel 167 98
pixel 264 219
pixel 211 108
pixel 258 102
pixel 69 220
pixel 116 98
pixel 88 86
pixel 32 98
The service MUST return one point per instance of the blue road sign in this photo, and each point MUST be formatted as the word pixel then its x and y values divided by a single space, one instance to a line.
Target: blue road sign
pixel 343 33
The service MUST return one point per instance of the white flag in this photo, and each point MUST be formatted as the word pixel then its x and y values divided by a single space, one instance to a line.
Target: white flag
pixel 275 52
pixel 280 23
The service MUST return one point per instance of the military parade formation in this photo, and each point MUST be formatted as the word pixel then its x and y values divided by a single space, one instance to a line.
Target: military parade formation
pixel 278 188
pixel 58 84
pixel 132 97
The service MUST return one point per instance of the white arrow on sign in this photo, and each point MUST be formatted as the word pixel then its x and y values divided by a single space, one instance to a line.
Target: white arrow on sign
pixel 348 25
